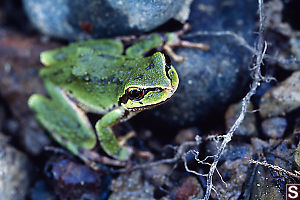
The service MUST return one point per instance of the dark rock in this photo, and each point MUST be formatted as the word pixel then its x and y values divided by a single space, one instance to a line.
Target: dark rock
pixel 185 135
pixel 73 19
pixel 233 169
pixel 210 80
pixel 283 98
pixel 258 144
pixel 19 64
pixel 33 138
pixel 297 126
pixel 42 191
pixel 159 175
pixel 234 173
pixel 237 151
pixel 15 172
pixel 72 180
pixel 143 185
pixel 295 49
pixel 2 116
pixel 265 182
pixel 297 152
pixel 12 126
pixel 247 127
pixel 297 155
pixel 261 90
pixel 279 32
pixel 263 186
pixel 232 151
pixel 274 127
pixel 131 186
pixel 13 16
pixel 190 189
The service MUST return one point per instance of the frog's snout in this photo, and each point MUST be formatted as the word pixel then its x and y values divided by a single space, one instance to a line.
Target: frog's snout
pixel 171 74
pixel 173 77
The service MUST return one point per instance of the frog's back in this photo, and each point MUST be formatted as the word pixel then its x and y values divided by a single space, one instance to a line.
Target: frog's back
pixel 94 78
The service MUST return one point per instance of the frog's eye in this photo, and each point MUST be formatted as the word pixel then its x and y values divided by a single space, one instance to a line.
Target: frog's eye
pixel 135 93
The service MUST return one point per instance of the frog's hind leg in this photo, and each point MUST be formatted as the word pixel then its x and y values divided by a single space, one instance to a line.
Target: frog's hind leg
pixel 66 123
pixel 105 46
pixel 145 45
pixel 166 42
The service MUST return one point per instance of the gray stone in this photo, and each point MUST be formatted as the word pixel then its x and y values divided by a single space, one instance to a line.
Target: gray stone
pixel 235 173
pixel 263 186
pixel 40 191
pixel 2 116
pixel 73 180
pixel 285 44
pixel 295 49
pixel 233 151
pixel 210 80
pixel 130 187
pixel 14 172
pixel 283 98
pixel 265 182
pixel 274 127
pixel 19 64
pixel 190 189
pixel 76 19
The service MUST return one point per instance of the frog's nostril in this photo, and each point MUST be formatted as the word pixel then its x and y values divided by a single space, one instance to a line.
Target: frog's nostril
pixel 167 68
pixel 158 89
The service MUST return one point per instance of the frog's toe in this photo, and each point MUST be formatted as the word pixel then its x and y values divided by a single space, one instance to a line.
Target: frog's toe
pixel 125 154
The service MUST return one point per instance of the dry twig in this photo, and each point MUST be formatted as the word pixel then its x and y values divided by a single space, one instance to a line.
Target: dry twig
pixel 276 168
pixel 257 78
pixel 180 155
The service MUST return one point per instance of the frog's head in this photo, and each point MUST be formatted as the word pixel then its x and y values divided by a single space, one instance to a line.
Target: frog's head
pixel 153 82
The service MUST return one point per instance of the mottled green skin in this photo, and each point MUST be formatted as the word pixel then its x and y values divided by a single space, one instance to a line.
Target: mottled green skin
pixel 95 75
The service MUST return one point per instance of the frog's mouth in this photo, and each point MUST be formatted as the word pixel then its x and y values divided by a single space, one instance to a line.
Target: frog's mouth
pixel 136 109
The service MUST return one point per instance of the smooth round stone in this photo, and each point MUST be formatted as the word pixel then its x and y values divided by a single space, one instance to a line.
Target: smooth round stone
pixel 77 19
pixel 274 127
pixel 15 172
pixel 281 99
pixel 210 80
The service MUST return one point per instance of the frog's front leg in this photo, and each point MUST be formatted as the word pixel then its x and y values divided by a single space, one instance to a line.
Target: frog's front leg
pixel 173 40
pixel 108 141
pixel 144 45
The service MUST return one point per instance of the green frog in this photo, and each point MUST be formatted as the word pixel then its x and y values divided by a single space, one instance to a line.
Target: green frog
pixel 96 76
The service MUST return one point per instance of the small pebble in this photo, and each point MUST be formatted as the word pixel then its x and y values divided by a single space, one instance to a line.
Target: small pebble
pixel 274 127
pixel 283 98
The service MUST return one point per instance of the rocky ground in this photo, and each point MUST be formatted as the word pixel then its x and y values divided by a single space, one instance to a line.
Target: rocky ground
pixel 257 164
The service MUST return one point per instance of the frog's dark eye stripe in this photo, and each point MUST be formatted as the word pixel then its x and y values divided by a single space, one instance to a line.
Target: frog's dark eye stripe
pixel 136 94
